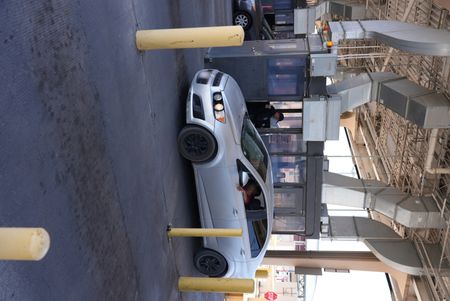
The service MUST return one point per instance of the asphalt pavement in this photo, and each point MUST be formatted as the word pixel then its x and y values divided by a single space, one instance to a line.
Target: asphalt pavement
pixel 88 129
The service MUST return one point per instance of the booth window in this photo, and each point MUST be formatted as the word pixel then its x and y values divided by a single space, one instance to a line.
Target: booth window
pixel 285 77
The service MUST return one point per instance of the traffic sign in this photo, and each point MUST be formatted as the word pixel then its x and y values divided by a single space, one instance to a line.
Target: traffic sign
pixel 271 296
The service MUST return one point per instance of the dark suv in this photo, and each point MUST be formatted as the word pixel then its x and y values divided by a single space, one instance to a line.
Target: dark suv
pixel 249 15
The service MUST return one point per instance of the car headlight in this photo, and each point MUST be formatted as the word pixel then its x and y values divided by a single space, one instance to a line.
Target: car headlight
pixel 218 106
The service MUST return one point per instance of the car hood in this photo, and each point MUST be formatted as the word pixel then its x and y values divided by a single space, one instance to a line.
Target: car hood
pixel 236 107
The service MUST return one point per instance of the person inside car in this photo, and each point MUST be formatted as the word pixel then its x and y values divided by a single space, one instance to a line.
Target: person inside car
pixel 250 191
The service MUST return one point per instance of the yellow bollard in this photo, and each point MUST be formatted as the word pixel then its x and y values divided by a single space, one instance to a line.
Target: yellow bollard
pixel 218 285
pixel 195 37
pixel 262 273
pixel 23 243
pixel 203 232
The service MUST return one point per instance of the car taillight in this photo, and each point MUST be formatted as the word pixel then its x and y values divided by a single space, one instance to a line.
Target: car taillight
pixel 218 106
pixel 217 97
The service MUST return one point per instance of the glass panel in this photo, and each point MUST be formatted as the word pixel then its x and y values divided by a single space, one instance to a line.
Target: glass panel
pixel 254 246
pixel 289 198
pixel 281 105
pixel 283 4
pixel 292 120
pixel 283 63
pixel 284 143
pixel 257 234
pixel 284 200
pixel 289 224
pixel 282 85
pixel 253 149
pixel 289 169
pixel 285 77
pixel 278 46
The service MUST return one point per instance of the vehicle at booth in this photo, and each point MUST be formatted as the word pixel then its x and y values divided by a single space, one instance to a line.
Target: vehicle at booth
pixel 233 175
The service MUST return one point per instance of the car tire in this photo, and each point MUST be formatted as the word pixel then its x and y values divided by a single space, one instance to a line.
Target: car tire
pixel 210 263
pixel 243 19
pixel 197 144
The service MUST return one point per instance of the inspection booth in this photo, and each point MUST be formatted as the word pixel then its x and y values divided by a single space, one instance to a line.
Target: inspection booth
pixel 283 74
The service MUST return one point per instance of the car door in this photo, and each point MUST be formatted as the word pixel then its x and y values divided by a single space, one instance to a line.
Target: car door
pixel 254 219
pixel 221 194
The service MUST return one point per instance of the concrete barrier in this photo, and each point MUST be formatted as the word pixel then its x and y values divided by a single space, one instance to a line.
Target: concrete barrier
pixel 203 232
pixel 23 243
pixel 217 285
pixel 195 37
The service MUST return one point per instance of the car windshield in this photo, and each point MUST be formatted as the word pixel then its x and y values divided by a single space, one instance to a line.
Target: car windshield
pixel 253 148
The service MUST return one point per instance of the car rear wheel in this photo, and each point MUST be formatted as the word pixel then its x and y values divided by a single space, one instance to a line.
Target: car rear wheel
pixel 210 263
pixel 197 144
pixel 243 19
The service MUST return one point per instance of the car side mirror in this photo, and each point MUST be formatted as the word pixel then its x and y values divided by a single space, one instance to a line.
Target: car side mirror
pixel 244 178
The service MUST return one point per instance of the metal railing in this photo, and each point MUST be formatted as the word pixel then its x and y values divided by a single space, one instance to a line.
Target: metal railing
pixel 433 275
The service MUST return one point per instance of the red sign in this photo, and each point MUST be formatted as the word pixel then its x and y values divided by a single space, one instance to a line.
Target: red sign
pixel 270 296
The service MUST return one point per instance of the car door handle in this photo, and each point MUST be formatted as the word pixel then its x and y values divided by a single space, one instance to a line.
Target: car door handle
pixel 235 212
pixel 242 252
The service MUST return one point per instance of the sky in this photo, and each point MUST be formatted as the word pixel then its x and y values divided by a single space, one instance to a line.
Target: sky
pixel 353 286
pixel 356 285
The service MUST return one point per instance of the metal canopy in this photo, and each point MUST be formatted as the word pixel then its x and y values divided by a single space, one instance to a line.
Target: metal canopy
pixel 404 36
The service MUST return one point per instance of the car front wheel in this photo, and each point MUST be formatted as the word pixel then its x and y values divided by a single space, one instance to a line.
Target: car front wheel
pixel 197 144
pixel 210 263
pixel 243 19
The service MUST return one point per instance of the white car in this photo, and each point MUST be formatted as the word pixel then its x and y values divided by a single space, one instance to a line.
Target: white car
pixel 228 157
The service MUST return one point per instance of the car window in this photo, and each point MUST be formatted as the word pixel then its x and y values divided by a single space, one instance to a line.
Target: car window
pixel 252 193
pixel 257 232
pixel 253 148
pixel 255 211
